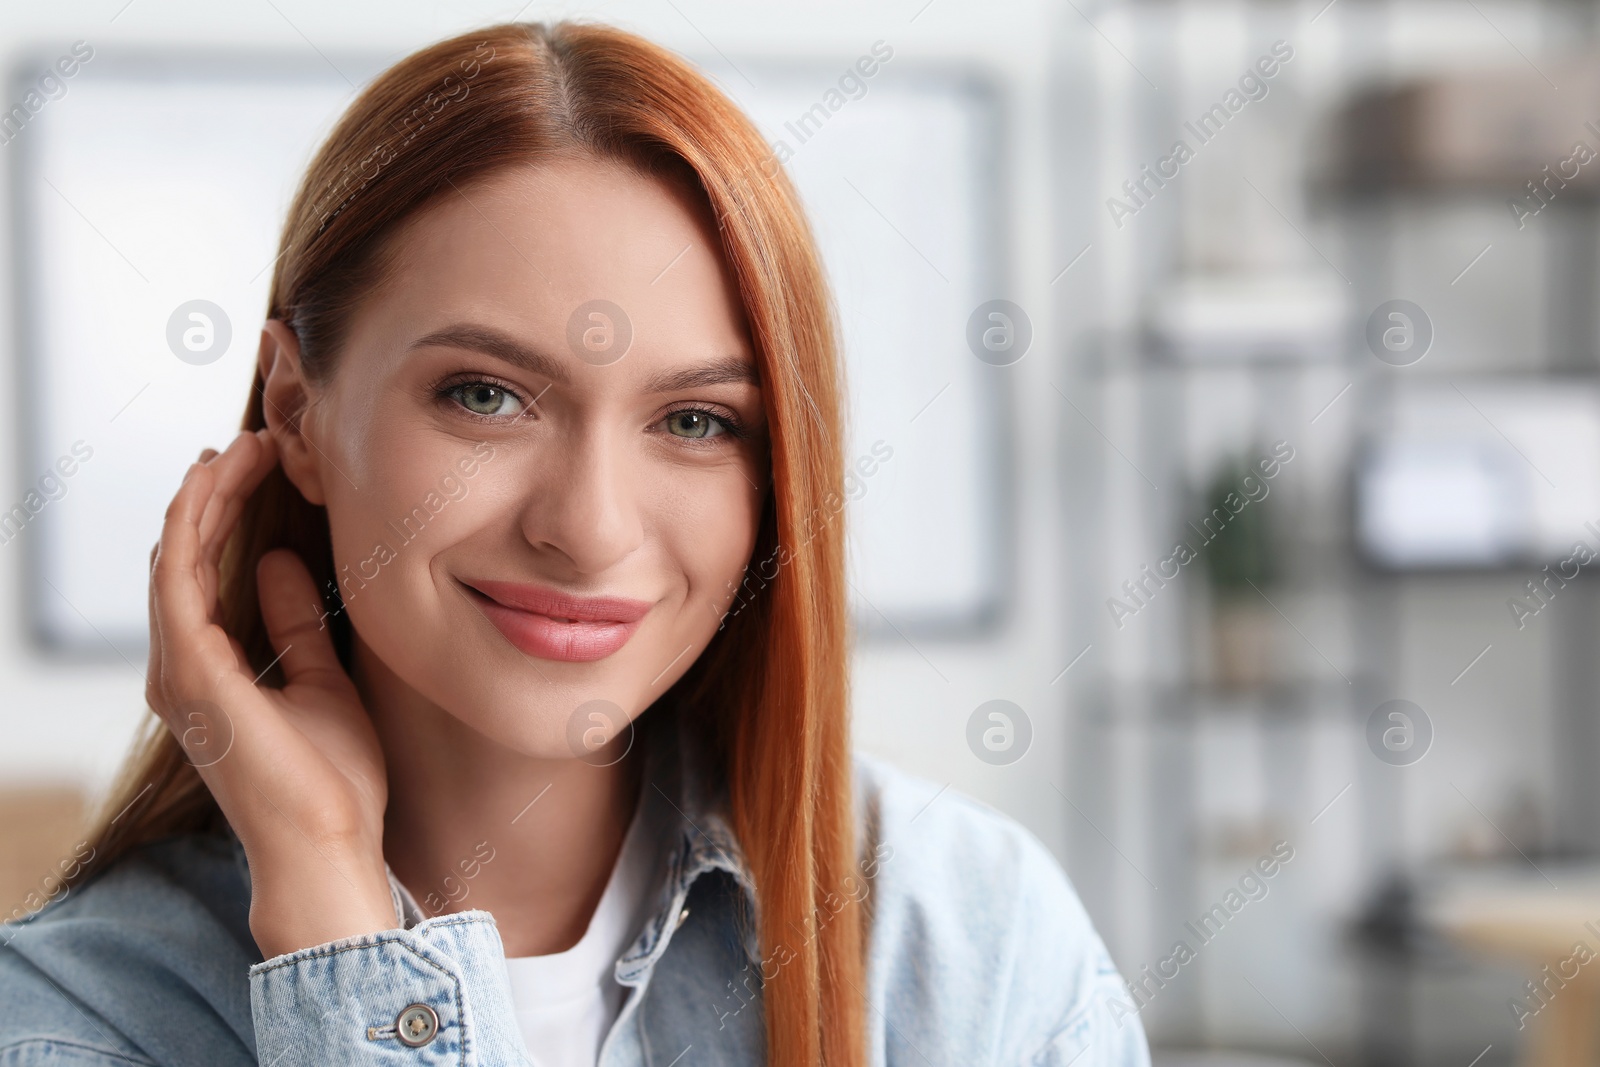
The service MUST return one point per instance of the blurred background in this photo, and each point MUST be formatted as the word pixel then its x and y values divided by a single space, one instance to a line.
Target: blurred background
pixel 1230 370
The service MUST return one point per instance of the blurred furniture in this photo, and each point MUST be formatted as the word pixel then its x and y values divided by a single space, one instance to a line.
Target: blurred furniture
pixel 1234 309
pixel 39 825
pixel 1423 164
pixel 1526 917
pixel 1235 764
pixel 1425 997
pixel 1478 130
pixel 1439 488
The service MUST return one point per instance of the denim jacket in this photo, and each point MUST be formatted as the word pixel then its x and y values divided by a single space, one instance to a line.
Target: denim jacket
pixel 979 952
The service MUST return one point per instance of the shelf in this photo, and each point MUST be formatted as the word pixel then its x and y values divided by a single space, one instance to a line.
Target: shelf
pixel 1135 702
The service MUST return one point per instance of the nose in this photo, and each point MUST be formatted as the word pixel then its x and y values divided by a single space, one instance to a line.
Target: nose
pixel 583 502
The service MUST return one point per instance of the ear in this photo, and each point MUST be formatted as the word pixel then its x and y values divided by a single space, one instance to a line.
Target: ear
pixel 285 397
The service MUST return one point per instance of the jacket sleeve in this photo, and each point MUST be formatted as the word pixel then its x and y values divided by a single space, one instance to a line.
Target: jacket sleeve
pixel 433 994
pixel 1058 949
pixel 980 947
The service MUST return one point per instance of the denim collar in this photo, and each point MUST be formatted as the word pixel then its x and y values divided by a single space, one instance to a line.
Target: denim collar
pixel 691 819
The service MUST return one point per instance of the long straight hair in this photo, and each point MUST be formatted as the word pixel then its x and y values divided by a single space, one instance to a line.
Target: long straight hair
pixel 769 696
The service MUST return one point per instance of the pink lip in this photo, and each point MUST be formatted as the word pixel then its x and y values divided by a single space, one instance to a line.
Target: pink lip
pixel 532 618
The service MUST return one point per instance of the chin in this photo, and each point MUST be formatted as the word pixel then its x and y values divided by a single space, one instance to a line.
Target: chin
pixel 566 718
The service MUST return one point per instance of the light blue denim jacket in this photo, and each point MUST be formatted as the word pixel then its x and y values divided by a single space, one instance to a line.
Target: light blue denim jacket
pixel 979 953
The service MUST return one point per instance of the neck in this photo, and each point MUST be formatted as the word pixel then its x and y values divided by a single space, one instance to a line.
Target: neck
pixel 473 824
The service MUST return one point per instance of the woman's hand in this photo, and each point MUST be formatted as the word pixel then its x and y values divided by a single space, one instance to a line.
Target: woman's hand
pixel 298 771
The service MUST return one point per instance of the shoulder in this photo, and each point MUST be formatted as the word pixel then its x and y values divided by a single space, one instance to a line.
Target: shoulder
pixel 144 962
pixel 977 934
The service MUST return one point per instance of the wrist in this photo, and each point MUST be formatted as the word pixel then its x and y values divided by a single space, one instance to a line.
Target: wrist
pixel 293 909
pixel 279 930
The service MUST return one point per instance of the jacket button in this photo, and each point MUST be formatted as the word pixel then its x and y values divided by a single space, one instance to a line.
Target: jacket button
pixel 417 1025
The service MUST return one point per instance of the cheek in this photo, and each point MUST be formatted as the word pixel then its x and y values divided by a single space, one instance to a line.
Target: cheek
pixel 400 507
pixel 704 532
pixel 709 534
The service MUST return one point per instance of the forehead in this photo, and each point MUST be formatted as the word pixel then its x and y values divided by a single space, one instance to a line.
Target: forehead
pixel 526 248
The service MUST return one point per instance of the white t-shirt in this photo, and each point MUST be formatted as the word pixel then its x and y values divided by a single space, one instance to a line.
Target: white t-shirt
pixel 566 1001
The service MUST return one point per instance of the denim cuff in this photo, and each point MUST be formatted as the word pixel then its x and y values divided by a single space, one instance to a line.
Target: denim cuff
pixel 436 993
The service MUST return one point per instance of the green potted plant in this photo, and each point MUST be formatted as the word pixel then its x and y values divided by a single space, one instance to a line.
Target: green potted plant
pixel 1241 565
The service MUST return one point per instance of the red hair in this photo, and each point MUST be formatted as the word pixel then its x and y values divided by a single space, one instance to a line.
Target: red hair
pixel 770 695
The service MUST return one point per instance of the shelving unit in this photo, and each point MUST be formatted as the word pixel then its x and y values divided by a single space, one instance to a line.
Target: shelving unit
pixel 1175 780
pixel 1238 764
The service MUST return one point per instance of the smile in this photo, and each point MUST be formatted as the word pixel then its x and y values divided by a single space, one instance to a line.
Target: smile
pixel 552 625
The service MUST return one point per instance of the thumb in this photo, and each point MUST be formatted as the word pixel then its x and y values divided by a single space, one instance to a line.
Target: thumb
pixel 296 624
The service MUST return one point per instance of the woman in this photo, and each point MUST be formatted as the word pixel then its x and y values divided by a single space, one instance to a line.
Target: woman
pixel 500 663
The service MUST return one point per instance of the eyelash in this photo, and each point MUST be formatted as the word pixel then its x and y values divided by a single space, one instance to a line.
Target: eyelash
pixel 447 390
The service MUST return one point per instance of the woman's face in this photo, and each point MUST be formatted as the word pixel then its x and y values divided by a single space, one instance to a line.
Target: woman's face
pixel 494 443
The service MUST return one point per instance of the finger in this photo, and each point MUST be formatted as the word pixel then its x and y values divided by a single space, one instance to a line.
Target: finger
pixel 180 613
pixel 152 676
pixel 214 504
pixel 238 470
pixel 217 540
pixel 206 456
pixel 291 606
pixel 228 518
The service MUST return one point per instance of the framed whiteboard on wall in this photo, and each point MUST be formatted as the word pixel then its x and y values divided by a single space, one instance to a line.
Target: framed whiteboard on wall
pixel 153 181
pixel 900 174
pixel 157 184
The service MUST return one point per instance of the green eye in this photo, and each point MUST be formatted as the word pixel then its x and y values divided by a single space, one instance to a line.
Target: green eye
pixel 694 424
pixel 484 398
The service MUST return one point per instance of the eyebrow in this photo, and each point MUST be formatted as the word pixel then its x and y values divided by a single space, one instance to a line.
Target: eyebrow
pixel 724 370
